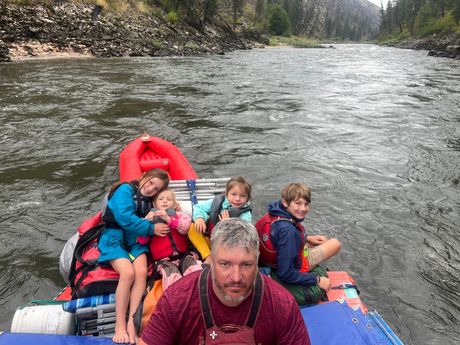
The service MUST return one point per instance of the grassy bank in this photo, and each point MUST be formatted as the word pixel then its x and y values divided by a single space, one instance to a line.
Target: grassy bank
pixel 294 41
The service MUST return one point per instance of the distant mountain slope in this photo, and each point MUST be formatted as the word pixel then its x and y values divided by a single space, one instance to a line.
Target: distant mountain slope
pixel 336 19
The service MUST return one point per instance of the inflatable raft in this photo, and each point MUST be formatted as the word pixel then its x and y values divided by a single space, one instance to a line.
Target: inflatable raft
pixel 344 319
pixel 147 152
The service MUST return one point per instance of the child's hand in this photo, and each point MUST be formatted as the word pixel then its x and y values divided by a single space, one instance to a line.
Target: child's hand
pixel 161 229
pixel 162 214
pixel 324 283
pixel 200 225
pixel 224 215
pixel 316 240
pixel 150 216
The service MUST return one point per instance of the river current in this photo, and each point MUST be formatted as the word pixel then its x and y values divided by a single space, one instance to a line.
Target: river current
pixel 374 131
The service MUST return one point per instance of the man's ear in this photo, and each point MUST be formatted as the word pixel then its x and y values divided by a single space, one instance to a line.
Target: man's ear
pixel 284 202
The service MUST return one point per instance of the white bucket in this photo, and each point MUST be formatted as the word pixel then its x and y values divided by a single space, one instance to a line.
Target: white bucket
pixel 44 319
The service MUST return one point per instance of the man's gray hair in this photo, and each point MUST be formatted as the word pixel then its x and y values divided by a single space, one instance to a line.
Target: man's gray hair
pixel 234 232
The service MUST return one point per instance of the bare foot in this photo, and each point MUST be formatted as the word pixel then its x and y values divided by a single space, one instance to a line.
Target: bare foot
pixel 133 338
pixel 121 336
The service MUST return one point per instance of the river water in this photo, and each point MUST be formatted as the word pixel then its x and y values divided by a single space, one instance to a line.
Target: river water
pixel 374 131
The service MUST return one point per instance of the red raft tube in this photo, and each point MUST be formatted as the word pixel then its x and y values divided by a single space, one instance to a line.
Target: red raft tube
pixel 147 152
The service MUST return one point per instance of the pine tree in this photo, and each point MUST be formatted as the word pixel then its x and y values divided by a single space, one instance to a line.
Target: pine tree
pixel 278 21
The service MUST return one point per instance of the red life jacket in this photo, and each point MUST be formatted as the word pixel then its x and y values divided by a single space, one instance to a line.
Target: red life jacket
pixel 268 255
pixel 172 245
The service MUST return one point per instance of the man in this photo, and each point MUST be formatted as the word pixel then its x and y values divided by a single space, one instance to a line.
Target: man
pixel 228 303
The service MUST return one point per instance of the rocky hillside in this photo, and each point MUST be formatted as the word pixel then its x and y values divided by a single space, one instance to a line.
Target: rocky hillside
pixel 353 20
pixel 69 28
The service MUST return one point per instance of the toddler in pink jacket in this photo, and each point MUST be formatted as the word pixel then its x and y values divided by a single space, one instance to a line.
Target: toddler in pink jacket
pixel 170 248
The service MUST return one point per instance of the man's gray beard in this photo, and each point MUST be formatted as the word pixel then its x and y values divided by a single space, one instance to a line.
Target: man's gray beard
pixel 227 297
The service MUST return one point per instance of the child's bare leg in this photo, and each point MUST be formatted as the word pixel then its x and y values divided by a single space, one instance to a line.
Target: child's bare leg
pixel 125 270
pixel 323 252
pixel 207 260
pixel 137 290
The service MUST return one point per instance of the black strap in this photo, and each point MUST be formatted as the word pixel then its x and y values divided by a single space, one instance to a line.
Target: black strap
pixel 82 243
pixel 216 206
pixel 173 244
pixel 204 300
pixel 235 212
pixel 92 234
pixel 84 272
pixel 256 301
pixel 87 265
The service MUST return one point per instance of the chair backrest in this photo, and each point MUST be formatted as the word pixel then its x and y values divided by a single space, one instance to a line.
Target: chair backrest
pixel 189 192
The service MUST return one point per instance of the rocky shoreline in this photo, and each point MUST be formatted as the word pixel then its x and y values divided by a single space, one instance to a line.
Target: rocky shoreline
pixel 78 30
pixel 440 46
pixel 81 30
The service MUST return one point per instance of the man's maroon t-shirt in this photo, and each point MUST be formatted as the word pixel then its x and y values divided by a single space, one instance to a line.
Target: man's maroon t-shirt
pixel 177 318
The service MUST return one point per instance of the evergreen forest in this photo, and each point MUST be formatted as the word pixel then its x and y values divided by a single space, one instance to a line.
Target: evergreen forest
pixel 403 19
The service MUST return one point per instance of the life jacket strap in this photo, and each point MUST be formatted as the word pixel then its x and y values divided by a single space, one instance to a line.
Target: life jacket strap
pixel 256 302
pixel 204 299
pixel 216 206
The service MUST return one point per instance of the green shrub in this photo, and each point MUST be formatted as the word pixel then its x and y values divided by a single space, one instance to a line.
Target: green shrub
pixel 431 26
pixel 445 25
pixel 157 44
pixel 191 45
pixel 172 17
pixel 274 41
pixel 395 37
